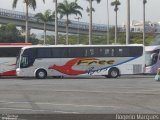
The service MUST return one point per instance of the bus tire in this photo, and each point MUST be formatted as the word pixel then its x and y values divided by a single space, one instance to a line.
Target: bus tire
pixel 41 74
pixel 113 73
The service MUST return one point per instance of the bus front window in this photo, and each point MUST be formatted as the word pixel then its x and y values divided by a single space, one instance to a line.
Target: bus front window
pixel 151 58
pixel 17 61
pixel 24 62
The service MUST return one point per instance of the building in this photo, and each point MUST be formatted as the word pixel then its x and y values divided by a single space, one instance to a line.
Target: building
pixel 150 27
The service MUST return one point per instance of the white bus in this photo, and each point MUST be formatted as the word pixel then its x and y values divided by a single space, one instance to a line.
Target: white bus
pixel 72 60
pixel 8 54
pixel 152 60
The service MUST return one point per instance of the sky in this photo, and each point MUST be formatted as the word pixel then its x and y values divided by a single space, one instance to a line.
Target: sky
pixel 100 15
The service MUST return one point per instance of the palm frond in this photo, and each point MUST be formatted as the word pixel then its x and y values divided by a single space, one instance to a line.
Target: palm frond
pixel 14 3
pixel 44 17
pixel 32 4
pixel 98 1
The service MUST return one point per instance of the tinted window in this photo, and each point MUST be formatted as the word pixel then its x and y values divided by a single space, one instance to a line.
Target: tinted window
pixel 104 52
pixel 91 52
pixel 75 52
pixel 30 52
pixel 60 52
pixel 128 51
pixel 9 51
pixel 122 52
pixel 44 53
pixel 136 51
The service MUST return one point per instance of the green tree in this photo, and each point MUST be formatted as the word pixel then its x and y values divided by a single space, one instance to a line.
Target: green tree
pixel 45 17
pixel 29 3
pixel 10 34
pixel 90 15
pixel 115 4
pixel 66 9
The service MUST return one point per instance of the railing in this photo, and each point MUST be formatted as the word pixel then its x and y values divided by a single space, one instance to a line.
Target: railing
pixel 74 24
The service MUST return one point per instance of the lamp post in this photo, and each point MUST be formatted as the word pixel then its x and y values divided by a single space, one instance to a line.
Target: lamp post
pixel 56 23
pixel 78 41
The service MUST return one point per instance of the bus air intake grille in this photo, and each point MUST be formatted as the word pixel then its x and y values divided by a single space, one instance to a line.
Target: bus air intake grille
pixel 137 68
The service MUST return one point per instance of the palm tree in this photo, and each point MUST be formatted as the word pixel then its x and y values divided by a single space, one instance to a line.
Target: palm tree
pixel 90 23
pixel 29 3
pixel 144 2
pixel 108 22
pixel 56 22
pixel 128 23
pixel 45 17
pixel 115 3
pixel 66 9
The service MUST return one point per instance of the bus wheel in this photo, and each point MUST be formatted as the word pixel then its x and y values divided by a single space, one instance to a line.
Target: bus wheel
pixel 41 74
pixel 113 73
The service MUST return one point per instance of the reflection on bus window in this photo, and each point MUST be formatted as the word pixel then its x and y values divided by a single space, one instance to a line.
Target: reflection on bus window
pixel 24 61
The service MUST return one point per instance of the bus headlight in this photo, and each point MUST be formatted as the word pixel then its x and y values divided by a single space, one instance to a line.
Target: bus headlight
pixel 17 71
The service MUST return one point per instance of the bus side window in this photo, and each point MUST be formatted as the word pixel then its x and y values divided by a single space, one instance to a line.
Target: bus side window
pixel 56 53
pixel 44 53
pixel 112 52
pixel 120 52
pixel 90 52
pixel 9 51
pixel 104 52
pixel 75 52
pixel 64 52
pixel 107 52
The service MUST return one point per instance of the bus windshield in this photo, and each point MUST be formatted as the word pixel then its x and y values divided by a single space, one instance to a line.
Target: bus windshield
pixel 151 58
pixel 24 62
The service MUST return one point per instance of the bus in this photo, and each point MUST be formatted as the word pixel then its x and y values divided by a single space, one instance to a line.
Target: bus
pixel 8 53
pixel 152 59
pixel 80 60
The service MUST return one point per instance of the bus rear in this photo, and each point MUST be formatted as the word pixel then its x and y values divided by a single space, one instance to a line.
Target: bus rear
pixel 8 54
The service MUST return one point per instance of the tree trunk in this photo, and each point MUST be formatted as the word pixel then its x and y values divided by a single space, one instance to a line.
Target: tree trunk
pixel 115 27
pixel 56 23
pixel 26 36
pixel 90 24
pixel 67 22
pixel 128 23
pixel 144 22
pixel 108 23
pixel 44 33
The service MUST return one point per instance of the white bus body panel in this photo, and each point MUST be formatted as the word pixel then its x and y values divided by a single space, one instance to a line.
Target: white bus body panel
pixel 8 66
pixel 89 66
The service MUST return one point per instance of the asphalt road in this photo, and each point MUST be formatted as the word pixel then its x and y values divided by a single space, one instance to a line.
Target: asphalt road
pixel 127 94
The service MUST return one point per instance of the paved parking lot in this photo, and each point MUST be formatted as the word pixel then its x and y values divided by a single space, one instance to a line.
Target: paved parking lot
pixel 127 94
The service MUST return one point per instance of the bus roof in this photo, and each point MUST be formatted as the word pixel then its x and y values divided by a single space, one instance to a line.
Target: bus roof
pixel 151 48
pixel 39 46
pixel 14 44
